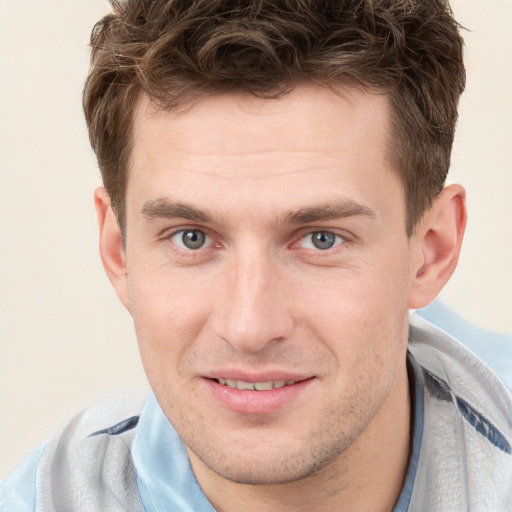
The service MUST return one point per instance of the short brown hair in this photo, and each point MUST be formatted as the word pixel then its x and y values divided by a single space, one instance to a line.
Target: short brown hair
pixel 177 50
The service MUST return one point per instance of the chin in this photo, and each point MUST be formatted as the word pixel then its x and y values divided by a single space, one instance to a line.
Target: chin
pixel 270 465
pixel 280 473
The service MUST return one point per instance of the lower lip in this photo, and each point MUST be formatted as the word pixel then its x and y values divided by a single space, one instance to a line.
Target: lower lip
pixel 256 402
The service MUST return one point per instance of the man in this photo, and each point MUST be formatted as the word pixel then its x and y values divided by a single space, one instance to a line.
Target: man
pixel 273 207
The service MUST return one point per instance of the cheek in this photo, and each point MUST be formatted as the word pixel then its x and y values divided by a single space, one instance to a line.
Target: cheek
pixel 357 300
pixel 361 316
pixel 169 313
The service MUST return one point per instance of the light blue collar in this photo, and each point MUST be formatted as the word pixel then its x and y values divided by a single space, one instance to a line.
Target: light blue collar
pixel 164 476
pixel 417 406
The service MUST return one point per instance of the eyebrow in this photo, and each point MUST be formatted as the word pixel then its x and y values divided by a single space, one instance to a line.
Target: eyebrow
pixel 163 208
pixel 329 211
pixel 167 209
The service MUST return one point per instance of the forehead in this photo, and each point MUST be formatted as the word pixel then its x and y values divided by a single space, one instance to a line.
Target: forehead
pixel 310 116
pixel 312 138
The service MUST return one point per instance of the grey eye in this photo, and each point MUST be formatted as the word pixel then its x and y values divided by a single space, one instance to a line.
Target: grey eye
pixel 321 240
pixel 192 239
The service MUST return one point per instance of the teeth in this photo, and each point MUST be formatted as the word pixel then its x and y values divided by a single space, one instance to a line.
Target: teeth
pixel 255 386
pixel 249 386
pixel 263 386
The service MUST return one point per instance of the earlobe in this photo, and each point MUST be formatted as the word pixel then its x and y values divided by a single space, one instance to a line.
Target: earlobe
pixel 111 245
pixel 437 239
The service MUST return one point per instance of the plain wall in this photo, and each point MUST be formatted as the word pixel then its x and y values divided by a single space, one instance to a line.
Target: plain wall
pixel 64 337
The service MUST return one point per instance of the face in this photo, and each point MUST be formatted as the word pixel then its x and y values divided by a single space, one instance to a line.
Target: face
pixel 267 273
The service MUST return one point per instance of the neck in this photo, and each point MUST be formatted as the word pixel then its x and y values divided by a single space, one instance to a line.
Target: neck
pixel 367 476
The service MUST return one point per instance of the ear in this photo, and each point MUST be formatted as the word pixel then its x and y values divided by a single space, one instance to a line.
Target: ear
pixel 111 245
pixel 437 239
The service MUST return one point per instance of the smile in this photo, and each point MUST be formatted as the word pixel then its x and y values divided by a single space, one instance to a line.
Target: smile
pixel 255 386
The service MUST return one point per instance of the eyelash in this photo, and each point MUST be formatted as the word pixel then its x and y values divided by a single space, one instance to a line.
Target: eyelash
pixel 340 240
pixel 184 231
pixel 182 251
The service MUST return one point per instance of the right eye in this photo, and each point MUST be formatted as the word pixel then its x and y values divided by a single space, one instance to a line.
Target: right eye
pixel 321 240
pixel 190 239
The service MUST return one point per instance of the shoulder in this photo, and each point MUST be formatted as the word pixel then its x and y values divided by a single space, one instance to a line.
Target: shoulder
pixel 92 453
pixel 466 448
pixel 448 364
pixel 450 360
pixel 494 348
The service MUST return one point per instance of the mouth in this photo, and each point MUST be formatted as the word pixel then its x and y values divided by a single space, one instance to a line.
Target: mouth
pixel 257 396
pixel 255 386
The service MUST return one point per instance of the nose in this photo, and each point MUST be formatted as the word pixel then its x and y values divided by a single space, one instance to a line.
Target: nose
pixel 252 310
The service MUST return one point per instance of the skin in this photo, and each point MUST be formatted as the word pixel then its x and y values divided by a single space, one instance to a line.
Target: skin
pixel 260 300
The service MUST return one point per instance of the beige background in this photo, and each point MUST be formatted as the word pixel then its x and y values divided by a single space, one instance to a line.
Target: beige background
pixel 64 339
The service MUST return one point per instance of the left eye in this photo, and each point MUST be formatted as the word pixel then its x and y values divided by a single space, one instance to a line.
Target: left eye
pixel 191 239
pixel 321 240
